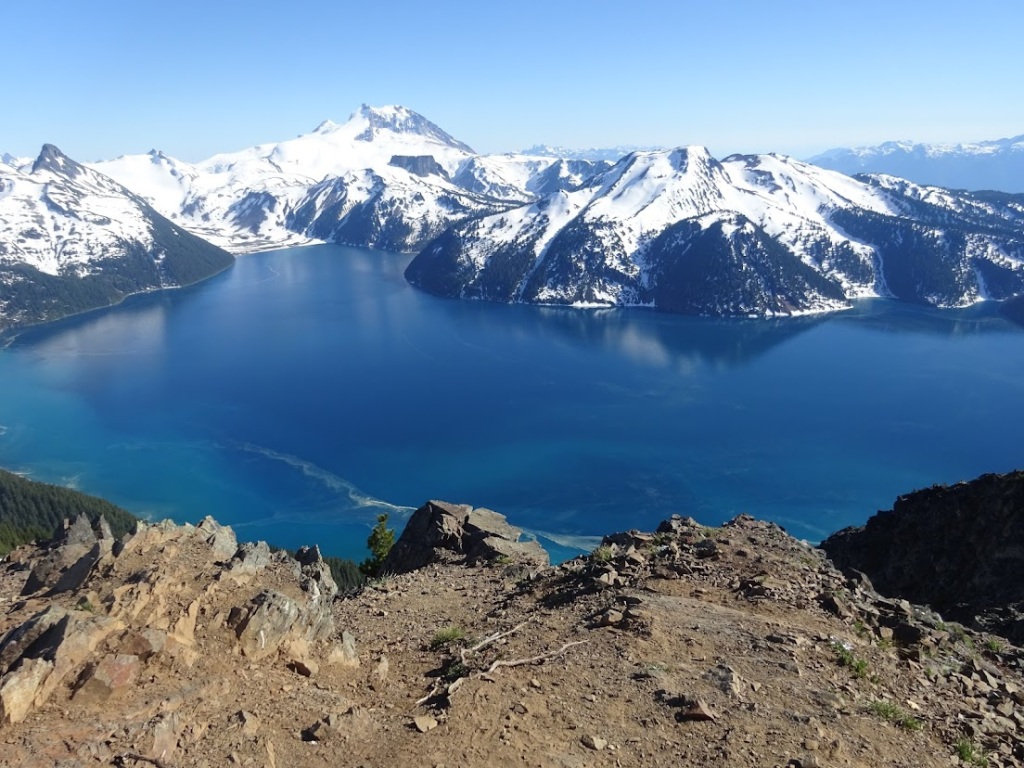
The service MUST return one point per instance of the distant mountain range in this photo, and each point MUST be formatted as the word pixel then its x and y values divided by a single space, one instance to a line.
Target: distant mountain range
pixel 987 165
pixel 609 154
pixel 671 229
pixel 388 178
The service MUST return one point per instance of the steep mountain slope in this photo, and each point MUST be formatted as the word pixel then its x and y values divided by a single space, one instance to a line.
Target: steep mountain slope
pixel 75 240
pixel 31 511
pixel 984 165
pixel 524 178
pixel 388 178
pixel 750 235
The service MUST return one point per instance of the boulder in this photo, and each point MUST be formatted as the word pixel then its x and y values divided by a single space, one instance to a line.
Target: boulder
pixel 353 723
pixel 320 588
pixel 167 728
pixel 439 529
pixel 111 675
pixel 62 639
pixel 70 557
pixel 264 623
pixel 344 654
pixel 20 688
pixel 143 643
pixel 19 640
pixel 725 679
pixel 424 723
pixel 250 558
pixel 221 538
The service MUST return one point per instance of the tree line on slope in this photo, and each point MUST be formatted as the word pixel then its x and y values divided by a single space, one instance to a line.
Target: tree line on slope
pixel 31 511
pixel 34 511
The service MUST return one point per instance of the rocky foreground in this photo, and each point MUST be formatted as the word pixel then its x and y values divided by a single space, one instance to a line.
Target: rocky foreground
pixel 731 646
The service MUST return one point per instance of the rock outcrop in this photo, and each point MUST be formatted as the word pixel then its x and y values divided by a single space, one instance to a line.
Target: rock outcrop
pixel 163 597
pixel 440 530
pixel 958 549
pixel 70 557
pixel 689 645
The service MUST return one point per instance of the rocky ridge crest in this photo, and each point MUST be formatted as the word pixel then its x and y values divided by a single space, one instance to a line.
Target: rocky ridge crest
pixel 104 614
pixel 735 646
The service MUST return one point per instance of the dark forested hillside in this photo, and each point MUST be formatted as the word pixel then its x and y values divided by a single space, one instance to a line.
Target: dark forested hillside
pixel 31 510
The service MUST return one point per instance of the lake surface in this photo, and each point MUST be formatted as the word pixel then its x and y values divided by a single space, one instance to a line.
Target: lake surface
pixel 304 391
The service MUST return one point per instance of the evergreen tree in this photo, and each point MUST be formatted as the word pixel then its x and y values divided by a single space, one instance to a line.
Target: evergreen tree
pixel 380 541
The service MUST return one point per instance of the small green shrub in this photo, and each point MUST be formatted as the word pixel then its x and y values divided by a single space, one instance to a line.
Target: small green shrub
pixel 445 637
pixel 968 753
pixel 994 645
pixel 379 582
pixel 602 554
pixel 454 670
pixel 895 715
pixel 845 658
pixel 85 604
pixel 958 634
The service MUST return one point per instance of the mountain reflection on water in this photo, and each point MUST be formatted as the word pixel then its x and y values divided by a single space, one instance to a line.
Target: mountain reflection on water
pixel 304 391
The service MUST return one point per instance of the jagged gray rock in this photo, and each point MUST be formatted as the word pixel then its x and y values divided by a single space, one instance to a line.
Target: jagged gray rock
pixel 220 537
pixel 70 557
pixel 250 558
pixel 439 529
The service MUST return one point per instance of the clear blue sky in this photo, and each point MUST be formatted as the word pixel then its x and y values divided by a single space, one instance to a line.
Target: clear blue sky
pixel 108 77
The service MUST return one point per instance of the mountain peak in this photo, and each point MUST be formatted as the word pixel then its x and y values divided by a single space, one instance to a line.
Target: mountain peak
pixel 52 159
pixel 398 119
pixel 327 126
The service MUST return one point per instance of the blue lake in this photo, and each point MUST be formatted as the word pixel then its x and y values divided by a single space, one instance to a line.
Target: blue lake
pixel 304 391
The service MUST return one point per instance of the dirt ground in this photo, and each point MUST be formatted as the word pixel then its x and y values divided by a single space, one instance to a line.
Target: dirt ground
pixel 736 646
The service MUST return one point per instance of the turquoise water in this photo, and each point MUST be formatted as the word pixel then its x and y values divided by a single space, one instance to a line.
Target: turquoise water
pixel 304 391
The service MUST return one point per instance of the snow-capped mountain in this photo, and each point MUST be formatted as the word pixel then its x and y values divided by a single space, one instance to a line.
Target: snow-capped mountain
pixel 14 162
pixel 388 178
pixel 607 154
pixel 997 165
pixel 74 239
pixel 673 229
pixel 750 235
pixel 525 178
